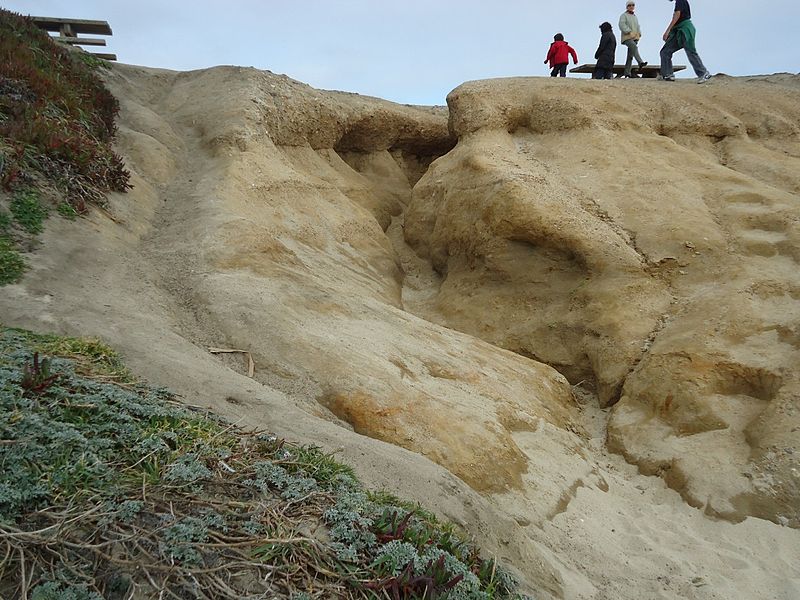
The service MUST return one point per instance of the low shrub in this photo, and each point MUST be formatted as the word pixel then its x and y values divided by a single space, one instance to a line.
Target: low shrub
pixel 111 489
pixel 56 130
pixel 56 117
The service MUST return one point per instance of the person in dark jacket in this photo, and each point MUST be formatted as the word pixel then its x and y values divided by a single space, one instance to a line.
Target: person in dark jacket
pixel 606 53
pixel 558 56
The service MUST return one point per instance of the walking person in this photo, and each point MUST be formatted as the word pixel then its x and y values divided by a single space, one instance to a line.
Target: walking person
pixel 558 56
pixel 681 34
pixel 630 34
pixel 606 53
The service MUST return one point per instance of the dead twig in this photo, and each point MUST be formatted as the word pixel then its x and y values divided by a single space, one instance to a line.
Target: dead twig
pixel 251 365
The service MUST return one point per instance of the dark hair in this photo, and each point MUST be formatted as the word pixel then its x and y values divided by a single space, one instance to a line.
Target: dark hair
pixel 559 37
pixel 606 27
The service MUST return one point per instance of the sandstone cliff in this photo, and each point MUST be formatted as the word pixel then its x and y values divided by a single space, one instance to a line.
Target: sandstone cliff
pixel 647 245
pixel 474 305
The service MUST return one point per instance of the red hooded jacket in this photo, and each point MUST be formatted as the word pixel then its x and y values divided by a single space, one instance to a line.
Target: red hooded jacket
pixel 559 54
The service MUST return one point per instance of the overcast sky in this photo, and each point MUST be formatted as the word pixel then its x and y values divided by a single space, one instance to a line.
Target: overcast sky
pixel 416 51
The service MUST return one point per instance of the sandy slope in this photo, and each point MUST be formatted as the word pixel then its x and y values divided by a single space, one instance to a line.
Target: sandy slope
pixel 273 217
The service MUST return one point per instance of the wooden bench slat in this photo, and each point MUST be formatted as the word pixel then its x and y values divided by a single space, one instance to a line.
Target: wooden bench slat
pixel 79 41
pixel 76 25
pixel 649 71
pixel 104 56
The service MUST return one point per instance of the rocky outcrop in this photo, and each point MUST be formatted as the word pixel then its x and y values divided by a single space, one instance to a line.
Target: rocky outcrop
pixel 630 239
pixel 285 219
pixel 643 243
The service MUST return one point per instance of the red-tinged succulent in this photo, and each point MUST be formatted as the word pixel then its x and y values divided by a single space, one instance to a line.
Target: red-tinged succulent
pixel 56 117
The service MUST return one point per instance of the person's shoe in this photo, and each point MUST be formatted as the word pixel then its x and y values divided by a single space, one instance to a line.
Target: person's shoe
pixel 643 65
pixel 668 78
pixel 706 76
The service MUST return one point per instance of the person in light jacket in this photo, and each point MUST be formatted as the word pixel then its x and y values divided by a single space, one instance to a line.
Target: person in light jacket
pixel 630 34
pixel 606 53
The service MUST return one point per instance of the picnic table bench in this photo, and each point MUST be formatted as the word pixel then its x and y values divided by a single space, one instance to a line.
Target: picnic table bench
pixel 648 72
pixel 68 30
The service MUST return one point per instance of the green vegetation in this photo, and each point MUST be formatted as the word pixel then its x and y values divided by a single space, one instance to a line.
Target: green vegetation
pixel 56 130
pixel 88 356
pixel 5 222
pixel 66 210
pixel 11 264
pixel 110 488
pixel 56 117
pixel 92 61
pixel 28 211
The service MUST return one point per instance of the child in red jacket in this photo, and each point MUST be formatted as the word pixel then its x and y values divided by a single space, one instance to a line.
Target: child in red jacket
pixel 558 56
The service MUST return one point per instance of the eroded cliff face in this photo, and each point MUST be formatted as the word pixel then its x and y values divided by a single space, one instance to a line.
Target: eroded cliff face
pixel 472 306
pixel 642 241
pixel 288 230
pixel 647 246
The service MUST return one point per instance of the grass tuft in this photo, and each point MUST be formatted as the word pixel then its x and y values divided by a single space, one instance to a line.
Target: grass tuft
pixel 12 266
pixel 90 356
pixel 66 210
pixel 28 211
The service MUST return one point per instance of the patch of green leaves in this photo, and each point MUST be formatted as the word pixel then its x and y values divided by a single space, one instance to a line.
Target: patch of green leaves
pixel 82 437
pixel 12 265
pixel 66 210
pixel 57 117
pixel 90 356
pixel 28 210
pixel 52 590
pixel 92 61
pixel 322 467
pixel 181 539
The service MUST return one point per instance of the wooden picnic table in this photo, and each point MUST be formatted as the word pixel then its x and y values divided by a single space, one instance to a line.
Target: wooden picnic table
pixel 68 30
pixel 648 72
